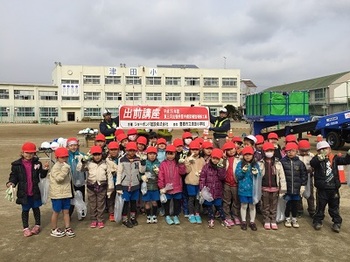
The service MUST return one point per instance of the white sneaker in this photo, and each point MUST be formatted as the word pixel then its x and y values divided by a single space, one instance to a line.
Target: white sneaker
pixel 57 232
pixel 288 223
pixel 154 220
pixel 295 223
pixel 149 220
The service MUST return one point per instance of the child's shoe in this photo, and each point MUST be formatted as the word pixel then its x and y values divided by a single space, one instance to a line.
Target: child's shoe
pixel 231 223
pixel 93 224
pixel 154 219
pixel 168 220
pixel 100 225
pixel 211 223
pixel 274 226
pixel 111 217
pixel 252 226
pixel 198 219
pixel 134 221
pixel 35 230
pixel 237 221
pixel 192 219
pixel 244 225
pixel 226 224
pixel 57 233
pixel 149 220
pixel 267 226
pixel 295 223
pixel 69 232
pixel 27 232
pixel 176 220
pixel 127 223
pixel 336 227
pixel 317 226
pixel 288 222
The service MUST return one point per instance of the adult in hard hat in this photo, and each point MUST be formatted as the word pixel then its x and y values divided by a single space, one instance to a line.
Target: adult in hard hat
pixel 108 126
pixel 221 127
pixel 327 182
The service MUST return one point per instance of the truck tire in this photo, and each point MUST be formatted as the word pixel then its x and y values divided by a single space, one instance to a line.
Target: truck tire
pixel 342 143
pixel 334 140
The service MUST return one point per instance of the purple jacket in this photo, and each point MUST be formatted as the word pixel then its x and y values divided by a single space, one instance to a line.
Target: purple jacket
pixel 212 177
pixel 170 172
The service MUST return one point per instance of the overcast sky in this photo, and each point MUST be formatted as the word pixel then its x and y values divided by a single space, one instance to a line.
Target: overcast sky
pixel 272 42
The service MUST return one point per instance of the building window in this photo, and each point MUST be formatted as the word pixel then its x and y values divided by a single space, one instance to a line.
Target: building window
pixel 69 81
pixel 70 98
pixel 114 96
pixel 153 81
pixel 89 111
pixel 25 111
pixel 48 95
pixel 173 81
pixel 229 97
pixel 133 96
pixel 92 95
pixel 214 97
pixel 113 80
pixel 173 96
pixel 192 97
pixel 4 94
pixel 114 111
pixel 320 95
pixel 211 82
pixel 133 80
pixel 192 81
pixel 154 96
pixel 48 112
pixel 91 80
pixel 24 94
pixel 229 82
pixel 4 111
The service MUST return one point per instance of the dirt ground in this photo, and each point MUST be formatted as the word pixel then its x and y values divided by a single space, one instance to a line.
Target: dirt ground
pixel 156 242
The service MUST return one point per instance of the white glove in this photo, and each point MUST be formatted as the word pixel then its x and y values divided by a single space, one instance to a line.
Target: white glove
pixel 321 157
pixel 156 170
pixel 221 163
pixel 144 178
pixel 162 191
pixel 181 161
pixel 10 193
pixel 245 168
pixel 254 171
pixel 109 193
pixel 119 192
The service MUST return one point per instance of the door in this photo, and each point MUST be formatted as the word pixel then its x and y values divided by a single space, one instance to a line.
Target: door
pixel 71 116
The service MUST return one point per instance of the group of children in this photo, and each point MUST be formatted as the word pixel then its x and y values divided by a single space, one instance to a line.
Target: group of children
pixel 241 177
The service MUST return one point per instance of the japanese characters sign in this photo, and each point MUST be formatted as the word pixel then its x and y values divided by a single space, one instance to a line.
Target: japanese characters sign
pixel 176 117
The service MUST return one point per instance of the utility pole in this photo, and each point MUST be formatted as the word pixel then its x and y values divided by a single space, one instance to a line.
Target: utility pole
pixel 224 62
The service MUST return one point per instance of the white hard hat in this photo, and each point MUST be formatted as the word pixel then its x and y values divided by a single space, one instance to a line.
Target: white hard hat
pixel 251 137
pixel 106 112
pixel 223 110
pixel 60 141
pixel 322 144
pixel 81 132
pixel 45 145
pixel 54 145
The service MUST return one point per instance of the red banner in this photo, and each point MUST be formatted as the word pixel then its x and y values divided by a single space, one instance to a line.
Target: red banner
pixel 157 117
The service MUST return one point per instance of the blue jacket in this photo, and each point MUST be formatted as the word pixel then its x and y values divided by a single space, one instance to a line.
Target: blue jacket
pixel 245 179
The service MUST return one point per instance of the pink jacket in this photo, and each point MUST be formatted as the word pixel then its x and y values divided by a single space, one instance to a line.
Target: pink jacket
pixel 171 172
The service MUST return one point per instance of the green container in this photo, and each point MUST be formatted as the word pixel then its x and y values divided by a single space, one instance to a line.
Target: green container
pixel 298 103
pixel 273 104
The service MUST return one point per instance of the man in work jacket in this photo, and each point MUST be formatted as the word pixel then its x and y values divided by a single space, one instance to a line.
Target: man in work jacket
pixel 108 126
pixel 221 127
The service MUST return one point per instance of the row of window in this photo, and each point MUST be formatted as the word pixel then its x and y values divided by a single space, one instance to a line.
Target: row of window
pixel 29 112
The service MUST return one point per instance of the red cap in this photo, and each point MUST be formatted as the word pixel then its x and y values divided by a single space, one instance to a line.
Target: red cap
pixel 100 137
pixel 132 131
pixel 95 150
pixel 237 139
pixel 178 142
pixel 207 144
pixel 141 140
pixel 186 135
pixel 304 144
pixel 118 132
pixel 29 147
pixel 259 139
pixel 248 150
pixel 121 137
pixel 72 141
pixel 131 146
pixel 113 145
pixel 195 145
pixel 170 148
pixel 228 146
pixel 268 146
pixel 151 149
pixel 199 140
pixel 272 136
pixel 161 141
pixel 217 153
pixel 290 138
pixel 61 152
pixel 291 146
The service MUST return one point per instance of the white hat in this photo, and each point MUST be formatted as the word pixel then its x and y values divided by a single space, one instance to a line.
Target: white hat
pixel 106 112
pixel 251 137
pixel 322 144
pixel 223 110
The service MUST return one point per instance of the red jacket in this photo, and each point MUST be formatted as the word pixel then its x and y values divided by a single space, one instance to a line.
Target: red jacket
pixel 171 172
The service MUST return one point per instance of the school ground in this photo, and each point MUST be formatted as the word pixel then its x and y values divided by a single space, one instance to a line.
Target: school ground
pixel 156 242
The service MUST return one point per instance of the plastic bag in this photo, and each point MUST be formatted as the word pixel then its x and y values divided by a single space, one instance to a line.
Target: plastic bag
pixel 118 208
pixel 257 188
pixel 80 204
pixel 144 188
pixel 10 194
pixel 163 198
pixel 206 194
pixel 281 208
pixel 307 192
pixel 44 185
pixel 78 177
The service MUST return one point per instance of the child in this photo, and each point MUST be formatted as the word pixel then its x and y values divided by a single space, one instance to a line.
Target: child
pixel 207 148
pixel 305 155
pixel 296 176
pixel 187 139
pixel 141 144
pixel 212 176
pixel 327 183
pixel 231 204
pixel 273 138
pixel 258 154
pixel 123 141
pixel 272 180
pixel 128 183
pixel 151 178
pixel 61 193
pixel 161 145
pixel 132 135
pixel 25 174
pixel 170 173
pixel 250 141
pixel 100 140
pixel 112 160
pixel 153 137
pixel 99 184
pixel 245 170
pixel 194 164
pixel 78 178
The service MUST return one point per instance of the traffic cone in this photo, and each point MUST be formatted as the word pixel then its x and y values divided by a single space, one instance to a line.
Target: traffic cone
pixel 341 173
pixel 319 138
